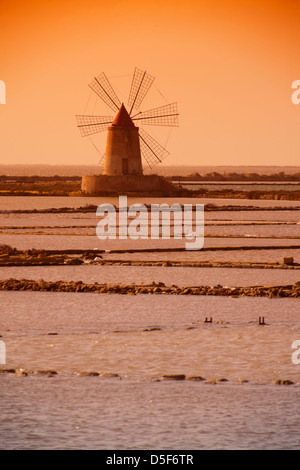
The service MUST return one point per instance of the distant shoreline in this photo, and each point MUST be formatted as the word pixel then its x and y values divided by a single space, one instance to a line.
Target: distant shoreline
pixel 64 186
pixel 162 170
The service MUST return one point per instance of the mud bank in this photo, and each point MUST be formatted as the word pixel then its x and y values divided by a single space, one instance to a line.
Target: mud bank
pixel 12 257
pixel 88 208
pixel 72 189
pixel 292 290
pixel 113 375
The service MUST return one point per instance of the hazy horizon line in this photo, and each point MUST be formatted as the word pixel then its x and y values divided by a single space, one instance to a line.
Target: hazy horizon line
pixel 161 166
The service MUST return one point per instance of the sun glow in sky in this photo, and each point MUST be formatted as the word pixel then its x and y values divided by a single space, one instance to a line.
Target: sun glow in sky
pixel 229 64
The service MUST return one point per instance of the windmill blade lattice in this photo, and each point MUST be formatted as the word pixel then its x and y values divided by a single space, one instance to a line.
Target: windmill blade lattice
pixel 141 83
pixel 163 116
pixel 152 152
pixel 89 125
pixel 102 87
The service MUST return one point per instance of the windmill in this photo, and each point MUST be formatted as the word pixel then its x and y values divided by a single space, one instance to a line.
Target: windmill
pixel 128 146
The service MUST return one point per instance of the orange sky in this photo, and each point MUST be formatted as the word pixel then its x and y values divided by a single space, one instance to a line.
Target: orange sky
pixel 228 63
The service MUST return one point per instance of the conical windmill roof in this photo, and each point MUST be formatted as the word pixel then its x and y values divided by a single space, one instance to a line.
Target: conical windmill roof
pixel 122 118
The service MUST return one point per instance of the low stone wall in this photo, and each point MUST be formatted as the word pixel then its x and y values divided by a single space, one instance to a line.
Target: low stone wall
pixel 12 257
pixel 115 376
pixel 292 290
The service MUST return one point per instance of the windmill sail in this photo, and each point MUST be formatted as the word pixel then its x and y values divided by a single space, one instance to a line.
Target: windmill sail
pixel 89 125
pixel 141 82
pixel 120 157
pixel 152 152
pixel 102 87
pixel 163 116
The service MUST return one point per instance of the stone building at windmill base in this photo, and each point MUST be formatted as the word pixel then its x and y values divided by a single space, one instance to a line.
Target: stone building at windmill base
pixel 122 171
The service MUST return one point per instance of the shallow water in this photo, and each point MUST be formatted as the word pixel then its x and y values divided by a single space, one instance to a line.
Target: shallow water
pixel 181 276
pixel 107 333
pixel 113 334
pixel 40 202
pixel 241 186
pixel 88 413
pixel 142 337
